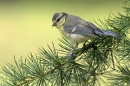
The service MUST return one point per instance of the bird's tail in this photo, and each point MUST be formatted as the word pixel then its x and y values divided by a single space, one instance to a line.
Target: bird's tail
pixel 109 33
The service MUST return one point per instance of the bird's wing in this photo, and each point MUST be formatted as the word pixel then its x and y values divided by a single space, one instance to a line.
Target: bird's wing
pixel 102 32
pixel 86 30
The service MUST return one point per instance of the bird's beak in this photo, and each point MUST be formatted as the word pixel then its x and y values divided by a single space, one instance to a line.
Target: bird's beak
pixel 54 24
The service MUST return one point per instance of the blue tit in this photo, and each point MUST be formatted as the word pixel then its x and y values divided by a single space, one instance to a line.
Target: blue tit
pixel 76 29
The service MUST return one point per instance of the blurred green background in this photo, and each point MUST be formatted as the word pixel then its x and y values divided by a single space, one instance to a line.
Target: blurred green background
pixel 25 26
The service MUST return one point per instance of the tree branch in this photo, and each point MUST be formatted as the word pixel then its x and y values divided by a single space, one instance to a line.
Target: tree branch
pixel 92 73
pixel 83 49
pixel 34 78
pixel 88 46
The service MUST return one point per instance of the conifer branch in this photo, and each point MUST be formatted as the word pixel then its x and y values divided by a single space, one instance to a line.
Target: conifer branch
pixel 34 78
pixel 88 46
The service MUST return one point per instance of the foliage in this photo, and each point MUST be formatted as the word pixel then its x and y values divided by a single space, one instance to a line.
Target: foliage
pixel 97 59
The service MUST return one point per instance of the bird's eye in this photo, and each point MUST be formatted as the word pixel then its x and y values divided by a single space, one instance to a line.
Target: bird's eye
pixel 58 19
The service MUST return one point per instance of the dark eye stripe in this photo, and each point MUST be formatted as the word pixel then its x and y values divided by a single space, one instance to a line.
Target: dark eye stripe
pixel 58 19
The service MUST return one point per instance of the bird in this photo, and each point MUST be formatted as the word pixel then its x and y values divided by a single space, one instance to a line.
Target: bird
pixel 76 29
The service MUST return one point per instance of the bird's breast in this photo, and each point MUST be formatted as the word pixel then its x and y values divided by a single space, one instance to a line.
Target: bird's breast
pixel 61 30
pixel 76 38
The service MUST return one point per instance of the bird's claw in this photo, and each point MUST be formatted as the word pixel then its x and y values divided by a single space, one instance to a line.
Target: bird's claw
pixel 71 55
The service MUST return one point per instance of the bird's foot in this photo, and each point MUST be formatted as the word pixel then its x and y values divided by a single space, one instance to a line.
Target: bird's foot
pixel 84 45
pixel 71 55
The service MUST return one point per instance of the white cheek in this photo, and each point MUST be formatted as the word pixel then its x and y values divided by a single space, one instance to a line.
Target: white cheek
pixel 61 22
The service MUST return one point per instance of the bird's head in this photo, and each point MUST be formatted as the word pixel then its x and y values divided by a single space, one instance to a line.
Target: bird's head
pixel 58 19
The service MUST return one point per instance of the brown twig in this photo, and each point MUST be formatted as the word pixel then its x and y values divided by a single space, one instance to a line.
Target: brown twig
pixel 27 81
pixel 85 48
pixel 34 78
pixel 88 46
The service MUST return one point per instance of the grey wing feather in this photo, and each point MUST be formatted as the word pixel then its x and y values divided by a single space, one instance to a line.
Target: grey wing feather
pixel 83 30
pixel 88 30
pixel 102 32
